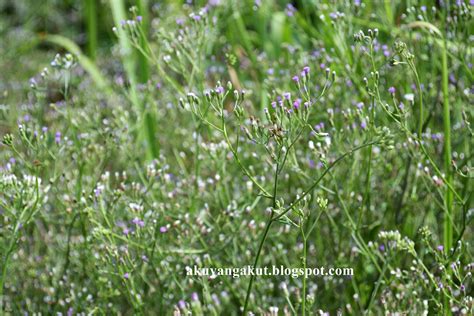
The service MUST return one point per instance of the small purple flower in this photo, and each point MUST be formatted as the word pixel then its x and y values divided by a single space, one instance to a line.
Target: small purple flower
pixel 363 124
pixel 123 22
pixel 290 10
pixel 179 21
pixel 139 18
pixel 463 288
pixel 297 104
pixel 270 71
pixel 440 248
pixel 126 275
pixel 138 222
pixel 97 192
pixel 126 231
pixel 391 90
pixel 145 258
pixel 220 90
pixel 295 79
pixel 401 106
pixel 274 104
pixel 423 8
pixel 195 296
pixel 287 95
pixel 360 105
pixel 70 311
pixel 306 70
pixel 382 248
pixel 44 129
pixel 182 304
pixel 163 229
pixel 58 137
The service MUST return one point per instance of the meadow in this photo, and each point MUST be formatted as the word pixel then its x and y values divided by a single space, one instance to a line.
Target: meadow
pixel 144 141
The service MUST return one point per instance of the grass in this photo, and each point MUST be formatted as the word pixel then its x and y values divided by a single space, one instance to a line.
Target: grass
pixel 236 136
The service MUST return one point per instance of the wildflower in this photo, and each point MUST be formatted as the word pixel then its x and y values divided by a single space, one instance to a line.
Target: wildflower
pixel 391 90
pixel 297 104
pixel 287 95
pixel 195 296
pixel 220 90
pixel 139 18
pixel 296 79
pixel 126 275
pixel 182 304
pixel 440 248
pixel 360 105
pixel 290 10
pixel 57 137
pixel 163 229
pixel 138 222
pixel 306 70
pixel 410 97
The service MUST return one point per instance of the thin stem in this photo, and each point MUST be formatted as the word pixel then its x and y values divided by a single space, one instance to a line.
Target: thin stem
pixel 448 227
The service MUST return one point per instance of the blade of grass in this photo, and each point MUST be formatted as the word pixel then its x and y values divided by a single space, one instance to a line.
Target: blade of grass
pixel 91 27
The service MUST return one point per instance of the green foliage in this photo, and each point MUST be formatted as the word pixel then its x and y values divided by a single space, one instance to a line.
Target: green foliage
pixel 232 134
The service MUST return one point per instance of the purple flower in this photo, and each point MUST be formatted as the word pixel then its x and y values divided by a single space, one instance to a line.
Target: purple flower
pixel 145 258
pixel 138 222
pixel 382 248
pixel 123 22
pixel 391 90
pixel 423 8
pixel 139 18
pixel 360 105
pixel 126 275
pixel 179 21
pixel 287 95
pixel 163 229
pixel 290 10
pixel 295 79
pixel 297 104
pixel 44 129
pixel 58 137
pixel 220 90
pixel 363 124
pixel 306 70
pixel 440 247
pixel 97 192
pixel 126 231
pixel 195 296
pixel 182 304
